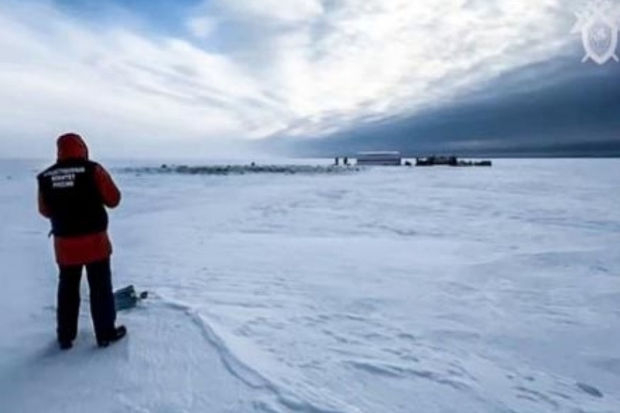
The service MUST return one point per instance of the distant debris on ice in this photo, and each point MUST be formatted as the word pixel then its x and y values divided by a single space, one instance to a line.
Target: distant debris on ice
pixel 449 161
pixel 394 158
pixel 252 168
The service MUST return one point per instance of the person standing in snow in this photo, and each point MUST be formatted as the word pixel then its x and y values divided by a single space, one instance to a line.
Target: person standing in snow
pixel 73 195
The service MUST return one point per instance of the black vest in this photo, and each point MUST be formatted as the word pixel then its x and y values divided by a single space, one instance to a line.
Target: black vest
pixel 70 192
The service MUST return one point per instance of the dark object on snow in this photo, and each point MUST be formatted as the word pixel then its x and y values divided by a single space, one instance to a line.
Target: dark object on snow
pixel 244 169
pixel 591 390
pixel 101 301
pixel 437 160
pixel 127 298
pixel 449 161
pixel 118 333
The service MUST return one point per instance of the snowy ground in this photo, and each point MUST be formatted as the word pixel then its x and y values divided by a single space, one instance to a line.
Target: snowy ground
pixel 386 290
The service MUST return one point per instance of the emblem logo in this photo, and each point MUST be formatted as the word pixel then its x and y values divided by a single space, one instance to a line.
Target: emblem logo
pixel 598 27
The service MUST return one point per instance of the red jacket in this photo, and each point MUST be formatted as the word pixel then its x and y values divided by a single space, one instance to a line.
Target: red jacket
pixel 83 249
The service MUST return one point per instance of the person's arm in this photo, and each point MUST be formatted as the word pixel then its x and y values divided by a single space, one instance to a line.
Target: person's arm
pixel 43 208
pixel 110 194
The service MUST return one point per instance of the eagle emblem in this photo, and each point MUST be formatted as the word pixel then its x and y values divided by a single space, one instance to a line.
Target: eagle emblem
pixel 599 32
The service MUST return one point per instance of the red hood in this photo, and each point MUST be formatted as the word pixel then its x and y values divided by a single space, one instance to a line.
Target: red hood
pixel 71 146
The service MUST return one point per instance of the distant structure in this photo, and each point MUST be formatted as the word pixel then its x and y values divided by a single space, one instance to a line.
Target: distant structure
pixel 437 160
pixel 382 158
pixel 345 161
pixel 448 160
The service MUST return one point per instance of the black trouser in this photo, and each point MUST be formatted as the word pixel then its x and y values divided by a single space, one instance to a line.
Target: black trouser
pixel 101 300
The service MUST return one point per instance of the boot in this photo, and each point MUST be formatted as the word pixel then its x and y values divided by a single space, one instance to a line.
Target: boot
pixel 117 334
pixel 65 344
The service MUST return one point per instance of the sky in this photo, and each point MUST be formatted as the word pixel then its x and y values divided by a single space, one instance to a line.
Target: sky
pixel 195 78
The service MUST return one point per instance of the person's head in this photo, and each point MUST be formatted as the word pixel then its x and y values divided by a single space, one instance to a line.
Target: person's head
pixel 71 146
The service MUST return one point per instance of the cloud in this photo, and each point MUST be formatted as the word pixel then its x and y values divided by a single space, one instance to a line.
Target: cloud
pixel 201 27
pixel 575 113
pixel 251 69
pixel 60 74
pixel 352 59
pixel 268 11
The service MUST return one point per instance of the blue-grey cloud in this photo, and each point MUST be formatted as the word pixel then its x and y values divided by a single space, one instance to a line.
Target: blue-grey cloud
pixel 558 108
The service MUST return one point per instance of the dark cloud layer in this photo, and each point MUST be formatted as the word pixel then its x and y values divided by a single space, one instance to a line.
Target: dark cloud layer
pixel 559 108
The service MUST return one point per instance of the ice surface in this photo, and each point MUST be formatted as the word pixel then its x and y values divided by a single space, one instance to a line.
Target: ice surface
pixel 386 290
